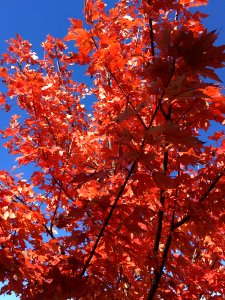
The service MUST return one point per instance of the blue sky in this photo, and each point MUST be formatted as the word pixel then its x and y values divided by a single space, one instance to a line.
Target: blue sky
pixel 33 20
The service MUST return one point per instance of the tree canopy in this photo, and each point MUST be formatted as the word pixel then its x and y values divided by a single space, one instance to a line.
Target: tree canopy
pixel 126 202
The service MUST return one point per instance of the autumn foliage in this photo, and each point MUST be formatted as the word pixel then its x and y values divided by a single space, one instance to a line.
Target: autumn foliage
pixel 126 202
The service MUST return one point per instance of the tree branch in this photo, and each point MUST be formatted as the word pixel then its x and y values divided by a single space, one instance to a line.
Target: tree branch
pixel 203 197
pixel 159 272
pixel 121 88
pixel 61 187
pixel 55 211
pixel 106 222
pixel 125 95
pixel 162 201
pixel 151 33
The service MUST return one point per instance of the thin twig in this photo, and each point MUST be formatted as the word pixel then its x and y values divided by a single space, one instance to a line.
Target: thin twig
pixel 150 21
pixel 121 88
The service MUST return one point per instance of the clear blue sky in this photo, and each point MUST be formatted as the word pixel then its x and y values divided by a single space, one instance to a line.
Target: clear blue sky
pixel 34 19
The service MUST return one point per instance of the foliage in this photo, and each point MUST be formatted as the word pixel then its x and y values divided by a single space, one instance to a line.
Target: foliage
pixel 126 203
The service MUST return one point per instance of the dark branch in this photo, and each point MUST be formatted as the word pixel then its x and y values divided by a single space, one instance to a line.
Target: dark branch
pixel 161 98
pixel 159 272
pixel 121 88
pixel 151 33
pixel 62 187
pixel 203 197
pixel 151 37
pixel 126 96
pixel 106 222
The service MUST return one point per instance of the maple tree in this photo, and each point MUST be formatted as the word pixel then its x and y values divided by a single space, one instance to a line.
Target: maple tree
pixel 126 203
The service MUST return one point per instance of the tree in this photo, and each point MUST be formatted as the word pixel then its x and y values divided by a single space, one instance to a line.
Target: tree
pixel 126 203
